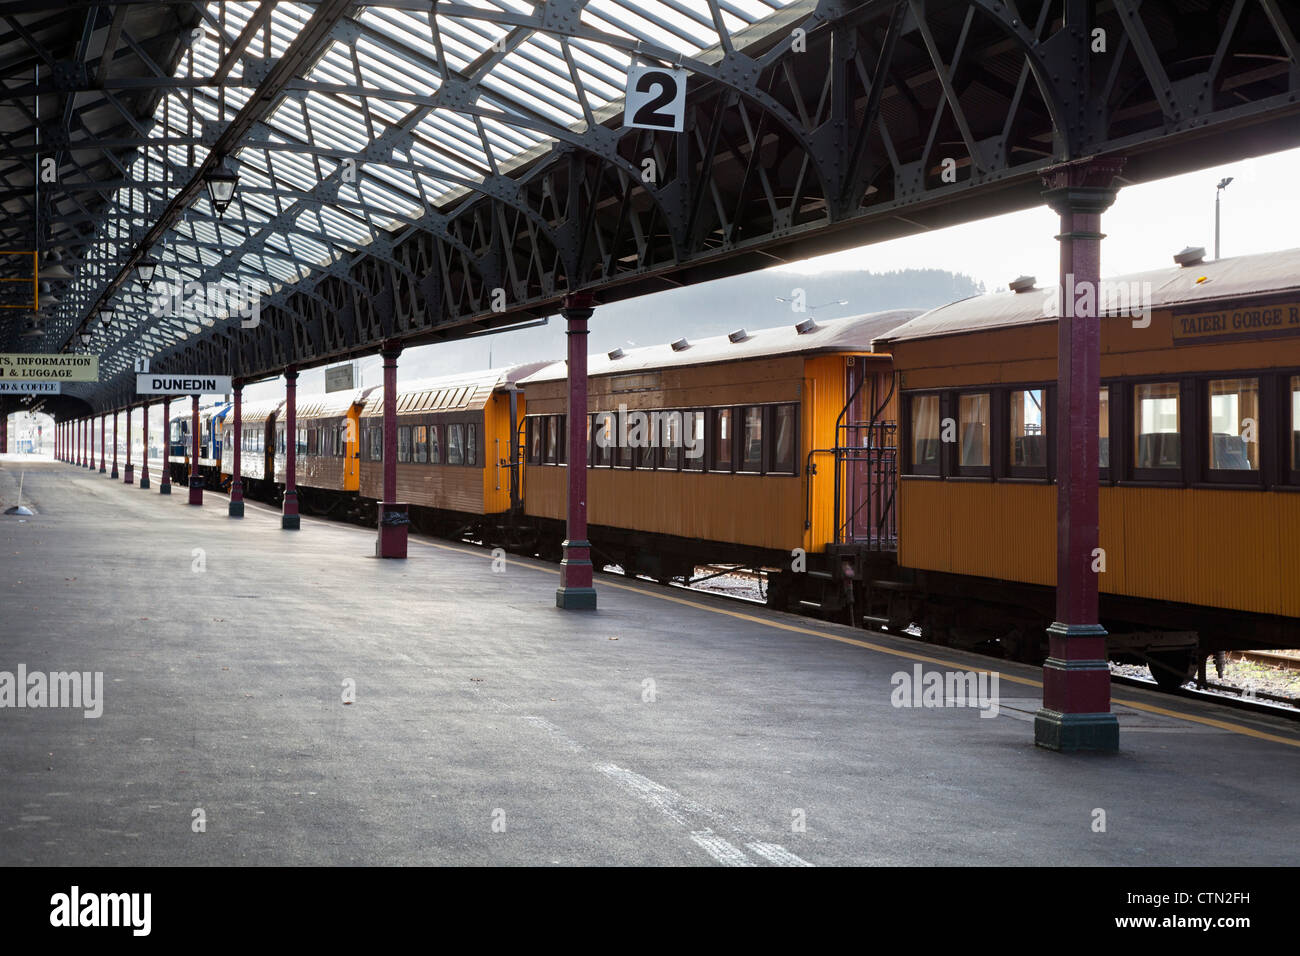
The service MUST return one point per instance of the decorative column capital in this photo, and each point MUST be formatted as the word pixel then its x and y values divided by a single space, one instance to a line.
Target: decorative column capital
pixel 1085 185
pixel 578 305
pixel 291 373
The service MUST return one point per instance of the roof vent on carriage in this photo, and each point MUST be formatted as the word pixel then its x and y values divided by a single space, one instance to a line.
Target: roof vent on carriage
pixel 737 336
pixel 806 326
pixel 1023 284
pixel 681 345
pixel 615 353
pixel 1192 255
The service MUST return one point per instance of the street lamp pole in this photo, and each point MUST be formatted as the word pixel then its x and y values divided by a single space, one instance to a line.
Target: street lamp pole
pixel 1223 184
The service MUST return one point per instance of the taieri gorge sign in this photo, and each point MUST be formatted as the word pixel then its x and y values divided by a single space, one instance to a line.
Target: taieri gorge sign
pixel 163 384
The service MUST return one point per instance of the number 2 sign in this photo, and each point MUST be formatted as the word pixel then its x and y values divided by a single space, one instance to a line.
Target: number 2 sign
pixel 656 98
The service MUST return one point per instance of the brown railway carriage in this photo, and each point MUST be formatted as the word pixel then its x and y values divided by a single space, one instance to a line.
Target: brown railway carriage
pixel 736 459
pixel 258 460
pixel 328 440
pixel 1199 452
pixel 455 434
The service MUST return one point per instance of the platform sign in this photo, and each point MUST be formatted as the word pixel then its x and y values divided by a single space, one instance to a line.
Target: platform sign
pixel 655 98
pixel 162 383
pixel 1228 325
pixel 340 378
pixel 17 387
pixel 49 368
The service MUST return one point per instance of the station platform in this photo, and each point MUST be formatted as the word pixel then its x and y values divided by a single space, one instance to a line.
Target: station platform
pixel 667 727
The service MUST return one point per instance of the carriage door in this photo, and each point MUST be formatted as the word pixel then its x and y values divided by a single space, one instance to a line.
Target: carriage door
pixel 868 453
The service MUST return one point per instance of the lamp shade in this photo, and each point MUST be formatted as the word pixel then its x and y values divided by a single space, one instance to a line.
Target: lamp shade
pixel 221 182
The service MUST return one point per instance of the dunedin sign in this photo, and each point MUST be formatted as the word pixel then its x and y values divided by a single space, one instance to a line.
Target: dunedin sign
pixel 162 383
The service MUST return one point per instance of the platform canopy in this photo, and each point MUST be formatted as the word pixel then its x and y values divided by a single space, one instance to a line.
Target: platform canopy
pixel 414 170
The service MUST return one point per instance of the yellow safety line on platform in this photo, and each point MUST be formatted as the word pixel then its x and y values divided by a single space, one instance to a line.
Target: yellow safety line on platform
pixel 1136 705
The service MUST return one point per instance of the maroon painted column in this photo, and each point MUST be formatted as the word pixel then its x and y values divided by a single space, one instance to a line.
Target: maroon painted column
pixel 90 442
pixel 237 438
pixel 289 519
pixel 394 516
pixel 575 591
pixel 103 424
pixel 80 453
pixel 1076 676
pixel 196 479
pixel 165 483
pixel 144 451
pixel 85 442
pixel 113 473
pixel 128 472
pixel 4 432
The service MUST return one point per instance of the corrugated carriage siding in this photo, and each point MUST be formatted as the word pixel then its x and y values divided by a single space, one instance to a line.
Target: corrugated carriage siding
pixel 1213 547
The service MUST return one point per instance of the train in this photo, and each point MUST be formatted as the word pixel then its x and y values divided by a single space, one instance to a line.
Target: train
pixel 892 470
pixel 212 418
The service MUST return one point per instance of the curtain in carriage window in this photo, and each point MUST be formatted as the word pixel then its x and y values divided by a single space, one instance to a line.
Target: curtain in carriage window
pixel 925 430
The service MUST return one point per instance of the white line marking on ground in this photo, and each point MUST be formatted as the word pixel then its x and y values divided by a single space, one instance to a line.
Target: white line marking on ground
pixel 775 853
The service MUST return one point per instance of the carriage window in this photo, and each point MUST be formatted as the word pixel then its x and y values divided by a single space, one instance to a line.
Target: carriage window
pixel 602 439
pixel 1234 424
pixel 973 430
pixel 404 443
pixel 535 439
pixel 751 448
pixel 693 441
pixel 455 444
pixel 279 440
pixel 1028 429
pixel 721 440
pixel 420 437
pixel 471 444
pixel 312 438
pixel 435 446
pixel 670 439
pixel 1103 426
pixel 1156 423
pixel 376 443
pixel 552 423
pixel 925 433
pixel 1295 422
pixel 783 440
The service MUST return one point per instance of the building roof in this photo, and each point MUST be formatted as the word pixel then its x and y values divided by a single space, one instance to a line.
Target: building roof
pixel 853 334
pixel 1237 277
pixel 250 413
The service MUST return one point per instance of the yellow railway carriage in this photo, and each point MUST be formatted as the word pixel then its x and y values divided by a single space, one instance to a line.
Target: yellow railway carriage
pixel 455 438
pixel 1199 450
pixel 726 449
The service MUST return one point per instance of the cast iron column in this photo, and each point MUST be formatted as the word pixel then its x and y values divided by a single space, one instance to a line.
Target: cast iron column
pixel 113 474
pixel 237 438
pixel 393 515
pixel 144 441
pixel 81 443
pixel 87 439
pixel 103 423
pixel 290 519
pixel 575 590
pixel 165 483
pixel 1076 677
pixel 196 479
pixel 128 471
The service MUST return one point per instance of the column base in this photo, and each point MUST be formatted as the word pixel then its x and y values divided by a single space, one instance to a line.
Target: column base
pixel 1068 733
pixel 289 519
pixel 128 476
pixel 144 480
pixel 575 599
pixel 196 490
pixel 165 487
pixel 102 469
pixel 236 509
pixel 113 474
pixel 291 522
pixel 394 519
pixel 575 592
